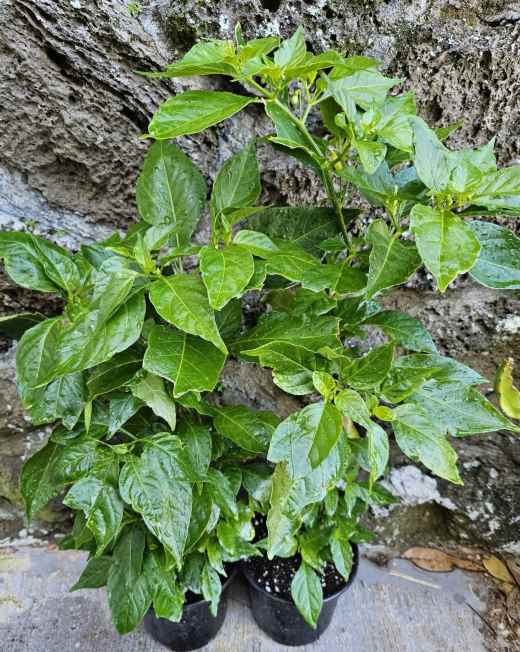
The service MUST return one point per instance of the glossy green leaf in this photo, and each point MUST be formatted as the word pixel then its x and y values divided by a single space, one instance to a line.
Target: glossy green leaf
pixel 155 486
pixel 201 513
pixel 371 154
pixel 168 595
pixel 447 245
pixel 196 438
pixel 352 405
pixel 291 261
pixel 307 594
pixel 423 439
pixel 305 438
pixel 189 362
pixel 280 525
pixel 237 184
pixel 229 319
pixel 459 409
pixel 498 264
pixel 225 273
pixel 500 191
pixel 64 398
pixel 38 483
pixel 94 575
pixel 394 126
pixel 247 429
pixel 35 354
pixel 102 506
pixel 341 552
pixel 305 227
pixel 339 277
pixel 432 159
pixel 210 57
pixel 170 191
pixel 365 88
pixel 292 51
pixel 121 408
pixel 310 334
pixel 151 390
pixel 369 371
pixel 182 300
pixel 444 369
pixel 128 589
pixel 211 587
pixel 115 373
pixel 258 481
pixel 378 451
pixel 194 111
pixel 404 329
pixel 392 261
pixel 257 243
pixel 222 492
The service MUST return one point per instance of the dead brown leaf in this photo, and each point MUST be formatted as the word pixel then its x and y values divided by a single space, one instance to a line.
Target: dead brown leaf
pixel 466 564
pixel 429 559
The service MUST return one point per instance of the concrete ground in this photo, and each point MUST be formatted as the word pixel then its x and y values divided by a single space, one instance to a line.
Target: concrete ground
pixel 396 608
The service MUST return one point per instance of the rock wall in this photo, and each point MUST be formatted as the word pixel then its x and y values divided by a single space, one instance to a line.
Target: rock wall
pixel 72 110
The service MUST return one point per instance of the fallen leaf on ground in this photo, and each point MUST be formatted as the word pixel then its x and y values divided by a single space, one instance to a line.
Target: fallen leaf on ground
pixel 498 569
pixel 437 561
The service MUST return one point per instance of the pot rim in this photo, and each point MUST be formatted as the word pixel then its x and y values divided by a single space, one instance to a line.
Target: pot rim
pixel 329 598
pixel 197 603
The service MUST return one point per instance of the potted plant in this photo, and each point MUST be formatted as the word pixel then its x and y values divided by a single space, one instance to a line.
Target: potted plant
pixel 331 269
pixel 150 318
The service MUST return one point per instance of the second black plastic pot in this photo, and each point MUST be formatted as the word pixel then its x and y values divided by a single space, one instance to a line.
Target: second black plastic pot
pixel 280 619
pixel 197 626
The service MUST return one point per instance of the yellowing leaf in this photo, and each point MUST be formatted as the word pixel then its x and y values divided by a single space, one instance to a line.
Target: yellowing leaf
pixel 508 394
pixel 498 569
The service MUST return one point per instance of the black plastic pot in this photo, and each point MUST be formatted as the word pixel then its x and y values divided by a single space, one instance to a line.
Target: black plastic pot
pixel 280 619
pixel 197 626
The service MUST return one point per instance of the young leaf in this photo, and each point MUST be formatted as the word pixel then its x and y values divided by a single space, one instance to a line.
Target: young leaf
pixel 154 485
pixel 305 438
pixel 102 506
pixel 371 154
pixel 341 552
pixel 194 111
pixel 392 261
pixel 225 273
pixel 210 57
pixel 191 363
pixel 405 330
pixel 447 245
pixel 182 300
pixel 170 191
pixel 508 394
pixel 128 589
pixel 365 88
pixel 498 264
pixel 237 183
pixel 307 593
pixel 433 161
pixel 150 389
pixel 424 440
pixel 292 51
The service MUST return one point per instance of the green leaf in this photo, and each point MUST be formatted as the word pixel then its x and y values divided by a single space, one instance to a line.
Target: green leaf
pixel 222 492
pixel 257 243
pixel 292 51
pixel 281 526
pixel 35 354
pixel 38 264
pixel 459 409
pixel 369 371
pixel 433 161
pixel 102 506
pixel 245 428
pixel 371 154
pixel 14 326
pixel 394 125
pixel 288 135
pixel 115 373
pixel 444 369
pixel 365 88
pixel 311 334
pixel 211 587
pixel 392 261
pixel 194 111
pixel 341 552
pixel 500 191
pixel 447 245
pixel 210 57
pixel 292 262
pixel 38 484
pixel 191 363
pixel 229 319
pixel 64 398
pixel 340 278
pixel 307 594
pixel 94 575
pixel 150 389
pixel 378 451
pixel 197 444
pixel 237 184
pixel 182 300
pixel 305 438
pixel 121 408
pixel 74 460
pixel 154 485
pixel 170 191
pixel 292 365
pixel 305 227
pixel 508 394
pixel 404 329
pixel 423 440
pixel 200 517
pixel 168 596
pixel 498 264
pixel 257 479
pixel 350 404
pixel 129 592
pixel 225 273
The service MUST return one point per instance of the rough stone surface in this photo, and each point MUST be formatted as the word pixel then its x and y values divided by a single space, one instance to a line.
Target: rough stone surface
pixel 72 110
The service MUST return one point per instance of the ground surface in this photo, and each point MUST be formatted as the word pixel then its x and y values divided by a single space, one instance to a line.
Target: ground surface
pixel 397 608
